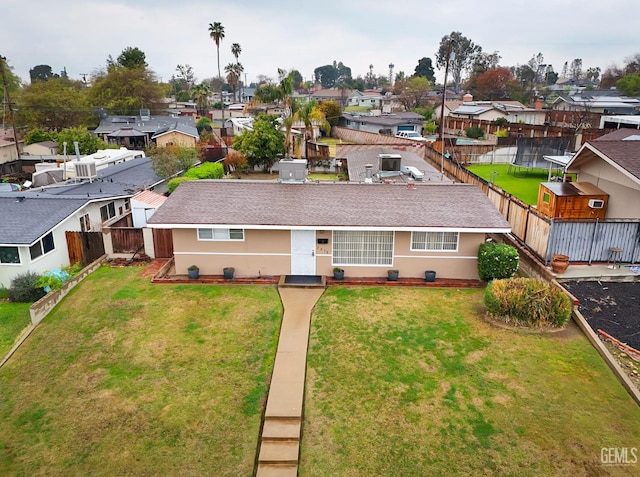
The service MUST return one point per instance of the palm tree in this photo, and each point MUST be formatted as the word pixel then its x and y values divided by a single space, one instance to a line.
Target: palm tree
pixel 200 94
pixel 216 32
pixel 236 50
pixel 233 70
pixel 309 114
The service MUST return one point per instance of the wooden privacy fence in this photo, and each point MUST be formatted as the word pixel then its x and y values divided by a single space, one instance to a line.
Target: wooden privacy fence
pixel 126 239
pixel 84 247
pixel 163 243
pixel 527 224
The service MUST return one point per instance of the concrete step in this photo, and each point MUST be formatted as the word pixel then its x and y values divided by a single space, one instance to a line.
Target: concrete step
pixel 279 452
pixel 277 470
pixel 281 429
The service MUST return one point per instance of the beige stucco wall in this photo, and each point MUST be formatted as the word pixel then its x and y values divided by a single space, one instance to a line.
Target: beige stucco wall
pixel 176 138
pixel 624 202
pixel 268 252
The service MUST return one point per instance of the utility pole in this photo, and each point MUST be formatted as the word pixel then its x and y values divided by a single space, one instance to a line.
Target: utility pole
pixel 6 93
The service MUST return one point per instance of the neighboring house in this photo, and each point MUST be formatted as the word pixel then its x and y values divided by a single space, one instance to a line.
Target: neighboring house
pixel 615 122
pixel 182 108
pixel 369 98
pixel 45 148
pixel 612 163
pixel 592 102
pixel 137 132
pixel 8 152
pixel 32 236
pixel 389 124
pixel 340 96
pixel 309 228
pixel 571 85
pixel 34 223
pixel 512 111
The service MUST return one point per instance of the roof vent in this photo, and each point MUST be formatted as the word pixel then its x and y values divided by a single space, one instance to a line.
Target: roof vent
pixel 86 170
pixel 368 174
pixel 292 170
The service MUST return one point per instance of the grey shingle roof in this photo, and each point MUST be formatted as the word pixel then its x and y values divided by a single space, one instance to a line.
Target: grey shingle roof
pixel 273 204
pixel 386 119
pixel 24 221
pixel 624 153
pixel 125 178
pixel 153 125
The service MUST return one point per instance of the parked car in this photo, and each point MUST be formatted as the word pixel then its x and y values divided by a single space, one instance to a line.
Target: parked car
pixel 413 135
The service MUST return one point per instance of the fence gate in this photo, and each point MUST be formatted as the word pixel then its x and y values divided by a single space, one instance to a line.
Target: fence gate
pixel 84 247
pixel 163 243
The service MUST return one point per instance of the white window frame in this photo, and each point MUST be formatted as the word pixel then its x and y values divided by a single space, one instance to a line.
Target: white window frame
pixel 40 247
pixel 220 235
pixel 109 208
pixel 85 223
pixel 17 249
pixel 433 241
pixel 370 248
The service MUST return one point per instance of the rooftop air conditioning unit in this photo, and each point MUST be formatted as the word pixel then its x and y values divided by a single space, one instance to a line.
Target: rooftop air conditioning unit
pixel 596 203
pixel 86 170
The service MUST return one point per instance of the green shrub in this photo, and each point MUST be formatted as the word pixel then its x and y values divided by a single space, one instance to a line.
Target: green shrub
pixel 474 132
pixel 23 288
pixel 497 260
pixel 502 133
pixel 500 121
pixel 4 293
pixel 175 182
pixel 208 170
pixel 527 301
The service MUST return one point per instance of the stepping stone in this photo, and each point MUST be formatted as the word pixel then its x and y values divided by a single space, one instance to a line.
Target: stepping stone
pixel 281 429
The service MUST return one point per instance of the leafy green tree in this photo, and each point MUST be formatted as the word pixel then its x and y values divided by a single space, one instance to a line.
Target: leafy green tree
pixel 629 84
pixel 186 78
pixel 200 95
pixel 13 81
pixel 234 71
pixel 38 135
pixel 464 54
pixel 208 170
pixel 41 73
pixel 425 69
pixel 132 58
pixel 332 75
pixel 412 92
pixel 53 105
pixel 169 161
pixel 262 145
pixel 332 111
pixel 124 90
pixel 87 142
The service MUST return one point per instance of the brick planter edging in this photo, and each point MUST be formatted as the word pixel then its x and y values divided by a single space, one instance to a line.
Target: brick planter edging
pixel 40 309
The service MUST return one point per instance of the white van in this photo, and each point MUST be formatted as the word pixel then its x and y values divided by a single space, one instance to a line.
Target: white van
pixel 413 172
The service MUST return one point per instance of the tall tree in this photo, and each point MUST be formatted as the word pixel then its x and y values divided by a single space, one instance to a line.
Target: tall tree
pixel 54 104
pixel 186 78
pixel 132 58
pixel 41 73
pixel 13 81
pixel 263 144
pixel 494 84
pixel 412 92
pixel 575 70
pixel 234 72
pixel 236 50
pixel 424 69
pixel 629 84
pixel 200 94
pixel 460 51
pixel 216 33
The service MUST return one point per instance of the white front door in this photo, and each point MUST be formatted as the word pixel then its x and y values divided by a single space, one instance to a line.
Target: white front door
pixel 303 252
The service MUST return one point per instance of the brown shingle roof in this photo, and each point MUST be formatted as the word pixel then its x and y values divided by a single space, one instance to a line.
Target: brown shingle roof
pixel 273 204
pixel 624 153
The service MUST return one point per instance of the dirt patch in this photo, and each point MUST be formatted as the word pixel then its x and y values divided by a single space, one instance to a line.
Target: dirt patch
pixel 610 306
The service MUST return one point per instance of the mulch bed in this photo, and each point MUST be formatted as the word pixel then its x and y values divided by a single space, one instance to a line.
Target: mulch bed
pixel 610 306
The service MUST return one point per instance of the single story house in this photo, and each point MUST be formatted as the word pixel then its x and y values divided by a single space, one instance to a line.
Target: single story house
pixel 369 98
pixel 44 148
pixel 612 163
pixel 278 228
pixel 389 124
pixel 137 132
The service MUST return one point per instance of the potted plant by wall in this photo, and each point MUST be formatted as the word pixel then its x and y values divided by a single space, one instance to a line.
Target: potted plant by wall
pixel 338 273
pixel 227 272
pixel 193 271
pixel 392 275
pixel 430 275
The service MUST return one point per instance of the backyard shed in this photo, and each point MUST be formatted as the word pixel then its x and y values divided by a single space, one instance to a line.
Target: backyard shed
pixel 572 200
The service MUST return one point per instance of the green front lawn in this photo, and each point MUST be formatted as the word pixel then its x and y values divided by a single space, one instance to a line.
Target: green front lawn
pixel 14 319
pixel 523 185
pixel 412 382
pixel 130 378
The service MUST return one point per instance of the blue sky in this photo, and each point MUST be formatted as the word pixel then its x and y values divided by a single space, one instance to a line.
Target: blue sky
pixel 81 34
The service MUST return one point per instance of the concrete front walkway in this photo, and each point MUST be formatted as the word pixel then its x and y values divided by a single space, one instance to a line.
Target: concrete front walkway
pixel 280 440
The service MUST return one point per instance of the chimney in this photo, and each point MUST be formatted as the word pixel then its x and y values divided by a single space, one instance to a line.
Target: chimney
pixel 467 98
pixel 539 103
